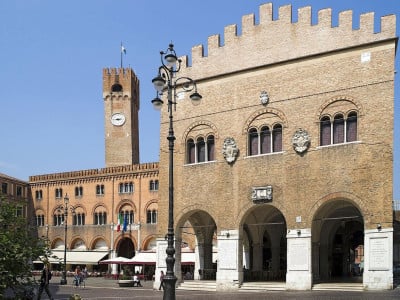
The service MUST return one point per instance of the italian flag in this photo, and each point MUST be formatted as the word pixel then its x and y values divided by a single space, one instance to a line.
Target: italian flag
pixel 120 222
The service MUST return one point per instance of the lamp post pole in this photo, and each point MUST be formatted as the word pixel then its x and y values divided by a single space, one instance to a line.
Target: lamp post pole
pixel 64 273
pixel 165 80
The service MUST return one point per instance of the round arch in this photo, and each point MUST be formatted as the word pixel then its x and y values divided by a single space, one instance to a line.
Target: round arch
pixel 337 239
pixel 262 231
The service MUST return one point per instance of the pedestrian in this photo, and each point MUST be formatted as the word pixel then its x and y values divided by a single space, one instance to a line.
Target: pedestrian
pixel 136 279
pixel 77 276
pixel 44 282
pixel 161 281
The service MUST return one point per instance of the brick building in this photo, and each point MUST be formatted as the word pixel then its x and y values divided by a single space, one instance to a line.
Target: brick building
pixel 285 167
pixel 283 172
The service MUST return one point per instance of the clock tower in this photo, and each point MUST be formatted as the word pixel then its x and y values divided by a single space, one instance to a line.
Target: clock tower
pixel 121 107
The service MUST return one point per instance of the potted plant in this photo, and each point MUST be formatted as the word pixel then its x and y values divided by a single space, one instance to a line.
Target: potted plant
pixel 126 279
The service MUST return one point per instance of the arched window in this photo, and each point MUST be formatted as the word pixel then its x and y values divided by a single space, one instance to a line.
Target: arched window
pixel 351 127
pixel 116 88
pixel 191 151
pixel 100 189
pixel 58 218
pixel 253 141
pixel 277 138
pixel 78 191
pixel 100 218
pixel 325 131
pixel 126 187
pixel 78 219
pixel 151 216
pixel 40 220
pixel 210 148
pixel 265 140
pixel 338 129
pixel 128 216
pixel 201 150
pixel 153 185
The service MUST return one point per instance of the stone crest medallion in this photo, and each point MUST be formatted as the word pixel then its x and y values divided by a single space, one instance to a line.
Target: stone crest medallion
pixel 264 98
pixel 230 150
pixel 301 140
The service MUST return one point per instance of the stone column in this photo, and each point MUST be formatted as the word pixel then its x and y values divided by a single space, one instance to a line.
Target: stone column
pixel 299 274
pixel 378 259
pixel 178 259
pixel 229 262
pixel 199 261
pixel 161 264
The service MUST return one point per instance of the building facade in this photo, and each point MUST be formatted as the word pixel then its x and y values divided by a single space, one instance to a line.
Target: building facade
pixel 285 167
pixel 16 191
pixel 111 211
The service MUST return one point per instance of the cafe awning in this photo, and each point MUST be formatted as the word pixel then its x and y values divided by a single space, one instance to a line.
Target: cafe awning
pixel 149 258
pixel 76 257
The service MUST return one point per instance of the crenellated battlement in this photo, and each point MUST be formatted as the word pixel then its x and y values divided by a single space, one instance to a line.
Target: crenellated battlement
pixel 124 76
pixel 273 41
pixel 120 170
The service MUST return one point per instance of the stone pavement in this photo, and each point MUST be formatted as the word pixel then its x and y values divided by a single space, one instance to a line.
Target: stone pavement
pixel 108 289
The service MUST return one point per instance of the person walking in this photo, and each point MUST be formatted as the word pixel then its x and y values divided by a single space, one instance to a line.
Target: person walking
pixel 161 281
pixel 77 276
pixel 44 282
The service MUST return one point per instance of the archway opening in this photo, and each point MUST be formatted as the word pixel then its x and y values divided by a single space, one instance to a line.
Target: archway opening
pixel 338 243
pixel 197 235
pixel 264 244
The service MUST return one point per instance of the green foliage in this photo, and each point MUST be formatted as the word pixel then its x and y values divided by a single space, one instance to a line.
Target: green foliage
pixel 19 247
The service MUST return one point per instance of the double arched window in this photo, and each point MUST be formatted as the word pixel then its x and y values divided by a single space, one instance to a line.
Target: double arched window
pixel 339 129
pixel 200 150
pixel 265 140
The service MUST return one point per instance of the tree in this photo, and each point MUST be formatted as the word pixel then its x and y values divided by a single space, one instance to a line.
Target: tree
pixel 20 245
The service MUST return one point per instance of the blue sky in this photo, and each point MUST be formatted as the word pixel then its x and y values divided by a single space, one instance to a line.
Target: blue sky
pixel 52 54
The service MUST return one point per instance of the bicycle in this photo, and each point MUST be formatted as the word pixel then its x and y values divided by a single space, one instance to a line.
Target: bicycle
pixel 78 282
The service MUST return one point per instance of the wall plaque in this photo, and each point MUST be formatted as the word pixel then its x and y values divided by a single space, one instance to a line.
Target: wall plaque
pixel 162 255
pixel 228 260
pixel 298 255
pixel 378 254
pixel 261 194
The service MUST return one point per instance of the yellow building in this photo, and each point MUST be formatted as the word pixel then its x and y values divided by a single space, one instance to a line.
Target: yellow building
pixel 110 211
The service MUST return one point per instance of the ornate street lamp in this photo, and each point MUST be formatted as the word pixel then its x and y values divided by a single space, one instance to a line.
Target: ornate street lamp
pixel 166 80
pixel 65 209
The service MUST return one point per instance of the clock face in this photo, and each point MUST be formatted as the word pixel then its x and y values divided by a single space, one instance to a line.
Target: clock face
pixel 118 119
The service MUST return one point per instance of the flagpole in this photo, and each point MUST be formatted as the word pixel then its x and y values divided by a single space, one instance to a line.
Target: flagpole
pixel 121 54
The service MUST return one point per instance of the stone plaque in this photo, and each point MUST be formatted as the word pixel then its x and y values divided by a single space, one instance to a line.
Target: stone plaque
pixel 227 254
pixel 298 255
pixel 378 254
pixel 162 255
